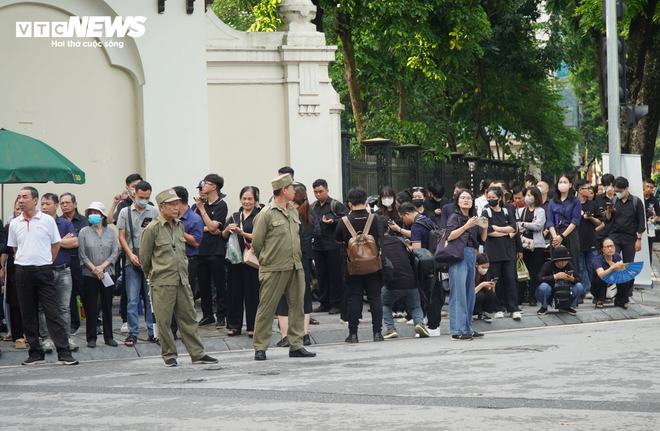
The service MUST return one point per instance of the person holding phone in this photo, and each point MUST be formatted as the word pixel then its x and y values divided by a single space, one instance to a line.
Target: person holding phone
pixel 591 220
pixel 131 225
pixel 485 300
pixel 559 268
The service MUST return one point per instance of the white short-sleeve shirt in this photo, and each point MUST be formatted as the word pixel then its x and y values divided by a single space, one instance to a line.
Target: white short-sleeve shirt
pixel 33 239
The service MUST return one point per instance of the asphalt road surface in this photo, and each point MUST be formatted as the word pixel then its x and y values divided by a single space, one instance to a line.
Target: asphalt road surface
pixel 601 376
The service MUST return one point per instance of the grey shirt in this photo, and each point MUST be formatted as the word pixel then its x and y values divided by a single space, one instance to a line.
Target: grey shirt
pixel 140 221
pixel 96 248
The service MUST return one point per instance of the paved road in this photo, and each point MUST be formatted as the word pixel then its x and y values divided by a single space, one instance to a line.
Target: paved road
pixel 597 376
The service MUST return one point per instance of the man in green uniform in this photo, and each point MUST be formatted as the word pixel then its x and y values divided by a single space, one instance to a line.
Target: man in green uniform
pixel 276 244
pixel 163 259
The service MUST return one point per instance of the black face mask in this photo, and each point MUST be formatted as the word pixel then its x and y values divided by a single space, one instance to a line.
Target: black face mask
pixel 493 202
pixel 418 202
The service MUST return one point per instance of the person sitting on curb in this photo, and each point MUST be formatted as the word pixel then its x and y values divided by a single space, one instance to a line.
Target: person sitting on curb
pixel 400 284
pixel 560 268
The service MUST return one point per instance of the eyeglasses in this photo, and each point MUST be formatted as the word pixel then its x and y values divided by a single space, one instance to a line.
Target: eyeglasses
pixel 465 198
pixel 608 246
pixel 585 188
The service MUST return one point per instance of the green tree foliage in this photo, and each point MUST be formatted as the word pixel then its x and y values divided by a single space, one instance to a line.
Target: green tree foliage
pixel 448 74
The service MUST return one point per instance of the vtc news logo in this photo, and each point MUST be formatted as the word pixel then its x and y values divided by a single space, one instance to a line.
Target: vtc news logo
pixel 85 26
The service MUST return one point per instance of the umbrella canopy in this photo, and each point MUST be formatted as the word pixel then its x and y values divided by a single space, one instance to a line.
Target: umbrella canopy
pixel 27 160
pixel 629 271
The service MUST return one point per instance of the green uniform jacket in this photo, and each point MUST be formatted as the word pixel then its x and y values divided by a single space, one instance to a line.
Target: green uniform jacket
pixel 163 253
pixel 275 238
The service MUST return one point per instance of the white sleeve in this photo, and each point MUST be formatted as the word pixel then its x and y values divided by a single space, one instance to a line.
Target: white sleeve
pixel 11 241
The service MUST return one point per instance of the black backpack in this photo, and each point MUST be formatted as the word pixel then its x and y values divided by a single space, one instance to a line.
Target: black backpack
pixel 424 268
pixel 563 295
pixel 434 235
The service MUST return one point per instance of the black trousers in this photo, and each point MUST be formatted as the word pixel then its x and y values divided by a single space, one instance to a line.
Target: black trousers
pixel 329 274
pixel 627 252
pixel 242 290
pixel 94 289
pixel 507 287
pixel 651 241
pixel 434 308
pixel 484 300
pixel 356 285
pixel 76 290
pixel 34 288
pixel 211 269
pixel 534 261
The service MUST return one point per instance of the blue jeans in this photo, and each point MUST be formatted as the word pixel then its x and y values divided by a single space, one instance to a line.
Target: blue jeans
pixel 461 293
pixel 544 290
pixel 587 268
pixel 133 283
pixel 410 297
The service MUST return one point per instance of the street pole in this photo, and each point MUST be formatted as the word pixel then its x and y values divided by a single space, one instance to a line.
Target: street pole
pixel 613 110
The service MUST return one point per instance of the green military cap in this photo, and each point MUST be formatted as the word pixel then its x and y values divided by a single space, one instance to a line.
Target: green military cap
pixel 168 195
pixel 281 181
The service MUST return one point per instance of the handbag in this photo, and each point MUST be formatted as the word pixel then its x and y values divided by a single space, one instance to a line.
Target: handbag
pixel 249 258
pixel 450 251
pixel 527 243
pixel 523 272
pixel 611 292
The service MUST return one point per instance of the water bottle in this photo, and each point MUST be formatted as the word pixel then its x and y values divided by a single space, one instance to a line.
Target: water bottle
pixel 650 226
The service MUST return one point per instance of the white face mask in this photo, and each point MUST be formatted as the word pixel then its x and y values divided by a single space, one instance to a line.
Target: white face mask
pixel 620 195
pixel 541 189
pixel 483 271
pixel 142 203
pixel 388 202
pixel 529 200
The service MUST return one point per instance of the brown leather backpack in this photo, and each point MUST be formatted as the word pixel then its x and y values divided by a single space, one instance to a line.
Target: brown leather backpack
pixel 363 255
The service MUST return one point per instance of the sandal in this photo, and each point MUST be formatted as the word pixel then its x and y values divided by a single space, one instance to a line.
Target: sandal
pixel 153 339
pixel 7 337
pixel 130 341
pixel 599 304
pixel 251 334
pixel 233 332
pixel 313 321
pixel 20 344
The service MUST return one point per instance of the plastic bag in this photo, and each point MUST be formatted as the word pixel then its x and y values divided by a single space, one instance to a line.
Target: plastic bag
pixel 523 272
pixel 233 253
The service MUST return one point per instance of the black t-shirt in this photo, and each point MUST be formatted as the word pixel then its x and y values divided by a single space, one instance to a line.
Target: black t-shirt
pixel 358 220
pixel 651 200
pixel 601 204
pixel 245 223
pixel 214 245
pixel 499 248
pixel 403 276
pixel 586 229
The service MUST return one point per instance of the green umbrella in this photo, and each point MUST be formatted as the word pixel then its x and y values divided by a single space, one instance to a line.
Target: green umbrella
pixel 28 160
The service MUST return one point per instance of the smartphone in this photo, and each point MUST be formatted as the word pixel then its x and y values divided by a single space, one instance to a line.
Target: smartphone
pixel 609 204
pixel 329 216
pixel 495 279
pixel 569 272
pixel 480 221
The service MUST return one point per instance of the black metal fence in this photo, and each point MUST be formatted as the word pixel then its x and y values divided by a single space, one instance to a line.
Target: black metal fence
pixel 403 166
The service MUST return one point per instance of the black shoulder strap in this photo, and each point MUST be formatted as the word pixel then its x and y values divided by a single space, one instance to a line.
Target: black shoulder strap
pixel 130 225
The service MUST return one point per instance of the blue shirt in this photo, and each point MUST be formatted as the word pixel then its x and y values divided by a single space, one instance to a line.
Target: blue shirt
pixel 447 210
pixel 192 225
pixel 64 226
pixel 564 213
pixel 419 233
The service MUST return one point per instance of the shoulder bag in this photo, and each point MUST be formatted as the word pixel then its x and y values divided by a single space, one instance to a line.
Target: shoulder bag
pixel 450 251
pixel 249 257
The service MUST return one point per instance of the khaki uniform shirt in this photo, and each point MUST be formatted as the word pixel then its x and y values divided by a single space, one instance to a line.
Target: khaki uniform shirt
pixel 275 238
pixel 163 253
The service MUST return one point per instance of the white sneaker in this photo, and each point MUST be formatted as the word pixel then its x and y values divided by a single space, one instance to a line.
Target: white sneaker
pixel 426 320
pixel 588 296
pixel 361 321
pixel 631 300
pixel 410 322
pixel 124 328
pixel 434 332
pixel 343 322
pixel 498 315
pixel 402 320
pixel 48 346
pixel 516 315
pixel 72 345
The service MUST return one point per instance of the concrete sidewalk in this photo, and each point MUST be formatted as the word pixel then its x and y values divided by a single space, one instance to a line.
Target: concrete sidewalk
pixel 330 330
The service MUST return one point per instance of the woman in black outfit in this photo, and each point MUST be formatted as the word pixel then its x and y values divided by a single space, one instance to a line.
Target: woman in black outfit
pixel 386 206
pixel 243 281
pixel 305 232
pixel 485 300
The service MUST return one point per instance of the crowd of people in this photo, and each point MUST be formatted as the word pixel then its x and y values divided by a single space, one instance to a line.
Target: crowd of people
pixel 402 252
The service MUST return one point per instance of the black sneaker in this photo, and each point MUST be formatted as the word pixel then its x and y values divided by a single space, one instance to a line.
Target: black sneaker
pixel 542 311
pixel 34 359
pixel 220 323
pixel 65 358
pixel 171 363
pixel 464 337
pixel 284 342
pixel 206 321
pixel 571 311
pixel 206 359
pixel 476 334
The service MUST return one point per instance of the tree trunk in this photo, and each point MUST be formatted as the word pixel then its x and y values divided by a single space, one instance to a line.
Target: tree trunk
pixel 643 81
pixel 402 101
pixel 350 72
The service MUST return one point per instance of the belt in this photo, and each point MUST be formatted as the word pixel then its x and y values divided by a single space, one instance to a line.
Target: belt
pixel 32 268
pixel 61 267
pixel 192 257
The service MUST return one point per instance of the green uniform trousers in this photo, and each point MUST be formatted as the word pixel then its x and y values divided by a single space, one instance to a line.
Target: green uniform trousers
pixel 273 285
pixel 177 299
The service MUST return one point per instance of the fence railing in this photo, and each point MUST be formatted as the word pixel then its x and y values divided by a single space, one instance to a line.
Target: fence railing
pixel 402 166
